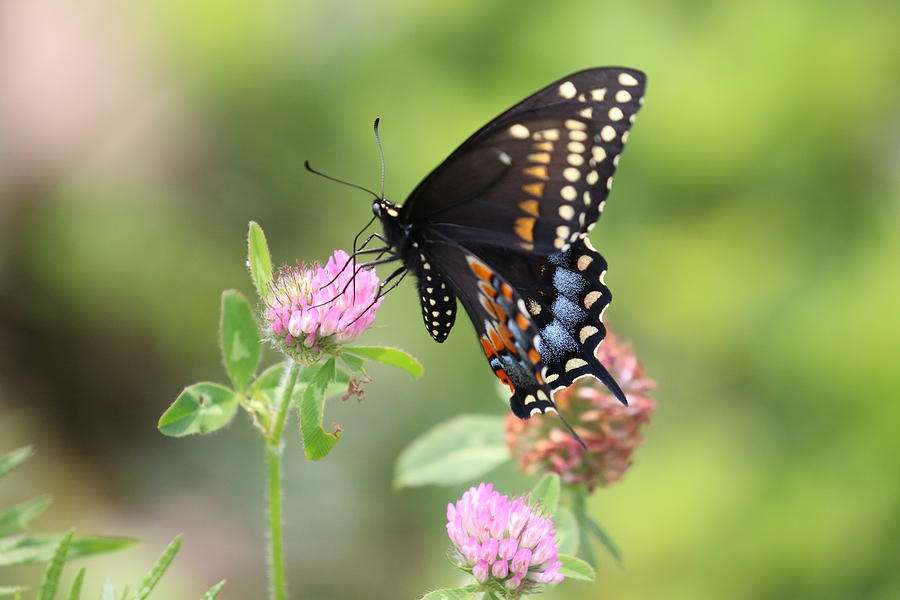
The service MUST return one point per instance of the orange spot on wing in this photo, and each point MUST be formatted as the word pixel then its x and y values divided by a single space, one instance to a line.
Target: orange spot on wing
pixel 539 172
pixel 524 227
pixel 487 289
pixel 504 378
pixel 507 337
pixel 487 347
pixel 488 305
pixel 507 291
pixel 530 206
pixel 534 356
pixel 535 189
pixel 522 321
pixel 481 270
pixel 496 340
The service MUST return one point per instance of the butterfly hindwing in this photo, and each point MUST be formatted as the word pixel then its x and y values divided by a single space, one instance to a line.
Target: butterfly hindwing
pixel 509 337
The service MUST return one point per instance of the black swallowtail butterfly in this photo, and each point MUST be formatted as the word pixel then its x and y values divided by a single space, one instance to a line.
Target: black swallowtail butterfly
pixel 502 226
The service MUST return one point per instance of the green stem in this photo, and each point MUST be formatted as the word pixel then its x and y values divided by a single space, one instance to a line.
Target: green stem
pixel 274 448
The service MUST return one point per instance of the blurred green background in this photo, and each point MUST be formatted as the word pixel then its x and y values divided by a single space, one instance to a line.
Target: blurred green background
pixel 752 237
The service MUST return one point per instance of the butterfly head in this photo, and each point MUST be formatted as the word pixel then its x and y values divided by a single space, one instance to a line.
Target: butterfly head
pixel 384 209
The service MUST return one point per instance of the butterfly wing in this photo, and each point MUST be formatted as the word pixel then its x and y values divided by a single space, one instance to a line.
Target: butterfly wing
pixel 537 175
pixel 565 295
pixel 508 335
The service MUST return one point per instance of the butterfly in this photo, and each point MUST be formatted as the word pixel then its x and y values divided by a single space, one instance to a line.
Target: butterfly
pixel 501 226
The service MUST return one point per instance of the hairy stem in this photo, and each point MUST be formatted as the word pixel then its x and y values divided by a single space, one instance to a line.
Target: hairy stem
pixel 274 448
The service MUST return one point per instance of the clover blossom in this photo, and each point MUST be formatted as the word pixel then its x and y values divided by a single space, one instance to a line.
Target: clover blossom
pixel 504 543
pixel 313 309
pixel 610 430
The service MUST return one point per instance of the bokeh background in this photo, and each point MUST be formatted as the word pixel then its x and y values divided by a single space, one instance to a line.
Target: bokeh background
pixel 752 237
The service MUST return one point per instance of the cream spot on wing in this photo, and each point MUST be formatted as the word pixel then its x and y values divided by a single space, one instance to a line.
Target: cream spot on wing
pixel 551 377
pixel 616 114
pixel 608 133
pixel 591 298
pixel 571 174
pixel 587 113
pixel 578 135
pixel 519 131
pixel 567 90
pixel 586 332
pixel 562 231
pixel 623 96
pixel 598 153
pixel 587 193
pixel 575 159
pixel 575 147
pixel 575 124
pixel 568 193
pixel 566 211
pixel 547 134
pixel 598 94
pixel 584 261
pixel 592 177
pixel 574 363
pixel 609 183
pixel 627 79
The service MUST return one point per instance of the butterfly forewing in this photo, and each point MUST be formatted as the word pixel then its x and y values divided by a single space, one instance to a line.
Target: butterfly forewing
pixel 542 170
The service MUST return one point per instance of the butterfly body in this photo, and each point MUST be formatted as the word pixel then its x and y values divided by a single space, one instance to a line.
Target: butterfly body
pixel 501 225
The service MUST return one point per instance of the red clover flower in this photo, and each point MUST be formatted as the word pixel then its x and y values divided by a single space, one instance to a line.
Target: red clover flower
pixel 502 541
pixel 312 310
pixel 610 430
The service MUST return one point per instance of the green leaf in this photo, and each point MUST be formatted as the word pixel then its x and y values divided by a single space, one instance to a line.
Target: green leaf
pixel 14 590
pixel 239 339
pixel 317 442
pixel 159 569
pixel 575 568
pixel 354 363
pixel 597 530
pixel 50 581
pixel 584 534
pixel 259 260
pixel 17 517
pixel 200 408
pixel 459 593
pixel 567 533
pixel 452 452
pixel 212 592
pixel 39 548
pixel 268 382
pixel 10 461
pixel 546 493
pixel 75 591
pixel 389 356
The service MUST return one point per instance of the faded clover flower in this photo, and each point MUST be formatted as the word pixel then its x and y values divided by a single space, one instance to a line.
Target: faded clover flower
pixel 312 310
pixel 610 430
pixel 505 544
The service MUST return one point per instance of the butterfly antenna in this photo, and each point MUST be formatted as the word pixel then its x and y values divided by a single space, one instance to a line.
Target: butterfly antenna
pixel 380 152
pixel 336 180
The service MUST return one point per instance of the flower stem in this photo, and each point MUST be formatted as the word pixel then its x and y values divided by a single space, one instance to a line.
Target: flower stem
pixel 274 448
